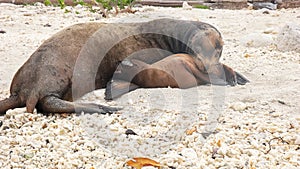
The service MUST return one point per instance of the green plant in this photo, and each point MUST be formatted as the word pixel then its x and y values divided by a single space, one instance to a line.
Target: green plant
pixel 61 4
pixel 47 2
pixel 81 2
pixel 123 3
pixel 105 5
pixel 67 11
pixel 109 4
pixel 201 6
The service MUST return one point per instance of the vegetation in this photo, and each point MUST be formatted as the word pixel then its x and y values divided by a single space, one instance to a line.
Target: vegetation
pixel 109 4
pixel 201 6
pixel 47 2
pixel 62 4
pixel 118 5
pixel 105 6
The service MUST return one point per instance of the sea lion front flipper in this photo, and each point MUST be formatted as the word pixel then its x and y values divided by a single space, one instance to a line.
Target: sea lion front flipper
pixel 116 88
pixel 241 80
pixel 53 104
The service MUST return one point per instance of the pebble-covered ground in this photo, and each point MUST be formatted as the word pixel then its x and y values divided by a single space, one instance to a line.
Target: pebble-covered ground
pixel 251 126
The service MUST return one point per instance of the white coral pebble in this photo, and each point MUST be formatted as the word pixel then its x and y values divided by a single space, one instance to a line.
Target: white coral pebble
pixel 186 6
pixel 238 106
pixel 297 141
pixel 15 158
pixel 189 153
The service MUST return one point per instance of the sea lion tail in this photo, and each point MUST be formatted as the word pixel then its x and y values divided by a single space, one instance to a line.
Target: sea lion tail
pixel 9 103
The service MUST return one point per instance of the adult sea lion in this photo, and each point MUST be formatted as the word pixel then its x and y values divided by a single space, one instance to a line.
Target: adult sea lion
pixel 83 57
pixel 176 71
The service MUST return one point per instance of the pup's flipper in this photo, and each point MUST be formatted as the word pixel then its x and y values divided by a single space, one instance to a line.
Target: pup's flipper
pixel 116 88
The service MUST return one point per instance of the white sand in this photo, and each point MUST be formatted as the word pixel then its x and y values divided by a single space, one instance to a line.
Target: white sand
pixel 250 118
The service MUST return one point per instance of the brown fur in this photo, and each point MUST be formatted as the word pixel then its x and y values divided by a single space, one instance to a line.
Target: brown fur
pixel 84 57
pixel 176 71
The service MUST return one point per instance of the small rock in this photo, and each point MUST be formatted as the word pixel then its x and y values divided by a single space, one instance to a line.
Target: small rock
pixel 78 6
pixel 130 101
pixel 1 123
pixel 15 158
pixel 137 5
pixel 39 4
pixel 28 156
pixel 2 31
pixel 247 55
pixel 28 14
pixel 191 131
pixel 266 5
pixel 189 153
pixel 69 8
pixel 281 102
pixel 5 128
pixel 270 31
pixel 297 141
pixel 238 106
pixel 186 6
pixel 249 100
pixel 293 124
pixel 130 132
pixel 47 25
pixel 289 38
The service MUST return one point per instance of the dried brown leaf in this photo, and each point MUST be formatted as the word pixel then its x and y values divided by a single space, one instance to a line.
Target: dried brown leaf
pixel 139 162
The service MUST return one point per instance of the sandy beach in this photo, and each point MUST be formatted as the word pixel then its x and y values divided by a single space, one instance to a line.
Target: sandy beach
pixel 252 126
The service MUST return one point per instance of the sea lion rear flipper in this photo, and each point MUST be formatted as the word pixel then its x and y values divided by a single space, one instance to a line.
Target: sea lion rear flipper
pixel 9 103
pixel 53 104
pixel 116 88
pixel 241 80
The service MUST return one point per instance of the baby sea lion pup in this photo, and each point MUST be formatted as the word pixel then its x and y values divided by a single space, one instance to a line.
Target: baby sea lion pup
pixel 176 71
